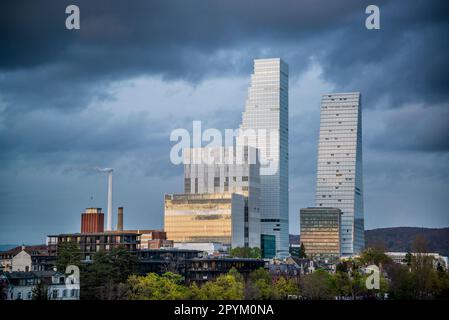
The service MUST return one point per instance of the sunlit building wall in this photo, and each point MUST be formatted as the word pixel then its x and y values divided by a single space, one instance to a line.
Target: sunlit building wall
pixel 227 170
pixel 266 112
pixel 205 217
pixel 320 231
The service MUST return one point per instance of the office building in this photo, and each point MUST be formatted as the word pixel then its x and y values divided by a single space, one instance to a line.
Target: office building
pixel 268 246
pixel 227 170
pixel 320 231
pixel 215 217
pixel 265 127
pixel 339 173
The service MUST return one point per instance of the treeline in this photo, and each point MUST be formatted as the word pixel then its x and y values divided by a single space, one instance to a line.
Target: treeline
pixel 113 275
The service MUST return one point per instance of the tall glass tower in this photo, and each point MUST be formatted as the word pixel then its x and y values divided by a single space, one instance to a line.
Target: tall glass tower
pixel 265 126
pixel 339 174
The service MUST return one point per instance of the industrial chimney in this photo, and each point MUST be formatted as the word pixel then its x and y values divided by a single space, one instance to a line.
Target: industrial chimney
pixel 109 213
pixel 120 219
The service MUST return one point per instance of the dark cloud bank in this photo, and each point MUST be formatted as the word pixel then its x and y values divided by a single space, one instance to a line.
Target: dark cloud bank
pixel 49 77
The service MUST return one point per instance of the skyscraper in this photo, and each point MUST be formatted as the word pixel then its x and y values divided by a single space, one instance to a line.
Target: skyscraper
pixel 266 115
pixel 339 173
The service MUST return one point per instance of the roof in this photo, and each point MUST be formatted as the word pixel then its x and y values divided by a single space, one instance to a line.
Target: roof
pixel 31 250
pixel 31 274
pixel 105 233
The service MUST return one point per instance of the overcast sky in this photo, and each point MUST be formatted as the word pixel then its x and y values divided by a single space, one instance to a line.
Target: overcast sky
pixel 110 93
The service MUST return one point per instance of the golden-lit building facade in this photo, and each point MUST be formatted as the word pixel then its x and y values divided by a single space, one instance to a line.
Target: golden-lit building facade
pixel 320 231
pixel 216 217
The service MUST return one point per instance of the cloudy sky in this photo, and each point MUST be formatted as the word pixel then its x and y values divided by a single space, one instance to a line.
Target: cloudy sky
pixel 110 93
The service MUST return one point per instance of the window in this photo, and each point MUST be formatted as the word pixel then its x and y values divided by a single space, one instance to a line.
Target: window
pixel 55 294
pixel 187 188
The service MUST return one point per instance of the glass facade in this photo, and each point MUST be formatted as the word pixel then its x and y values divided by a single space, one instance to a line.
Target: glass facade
pixel 227 169
pixel 339 173
pixel 205 218
pixel 268 246
pixel 320 231
pixel 266 112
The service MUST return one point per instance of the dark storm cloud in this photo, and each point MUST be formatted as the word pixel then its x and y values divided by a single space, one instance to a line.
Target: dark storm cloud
pixel 188 39
pixel 46 66
pixel 53 80
pixel 405 61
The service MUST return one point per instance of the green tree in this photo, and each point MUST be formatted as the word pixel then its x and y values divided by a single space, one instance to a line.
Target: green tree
pixel 246 252
pixel 408 259
pixel 284 287
pixel 229 286
pixel 259 286
pixel 402 282
pixel 302 251
pixel 39 292
pixel 155 287
pixel 425 276
pixel 374 255
pixel 317 285
pixel 69 253
pixel 105 278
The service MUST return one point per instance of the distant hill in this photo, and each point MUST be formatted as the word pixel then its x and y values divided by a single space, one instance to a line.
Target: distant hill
pixel 401 238
pixel 6 247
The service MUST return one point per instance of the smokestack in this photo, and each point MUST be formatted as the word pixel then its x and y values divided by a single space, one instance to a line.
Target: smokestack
pixel 109 221
pixel 120 219
pixel 109 213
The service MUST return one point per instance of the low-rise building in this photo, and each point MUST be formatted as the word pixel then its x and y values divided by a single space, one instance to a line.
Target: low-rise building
pixel 40 259
pixel 22 285
pixel 401 258
pixel 193 265
pixel 210 248
pixel 90 243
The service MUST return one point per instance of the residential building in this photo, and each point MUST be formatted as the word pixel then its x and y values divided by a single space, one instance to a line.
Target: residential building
pixel 265 127
pixel 21 261
pixel 193 265
pixel 218 217
pixel 339 174
pixel 321 231
pixel 152 239
pixel 21 285
pixel 90 243
pixel 40 258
